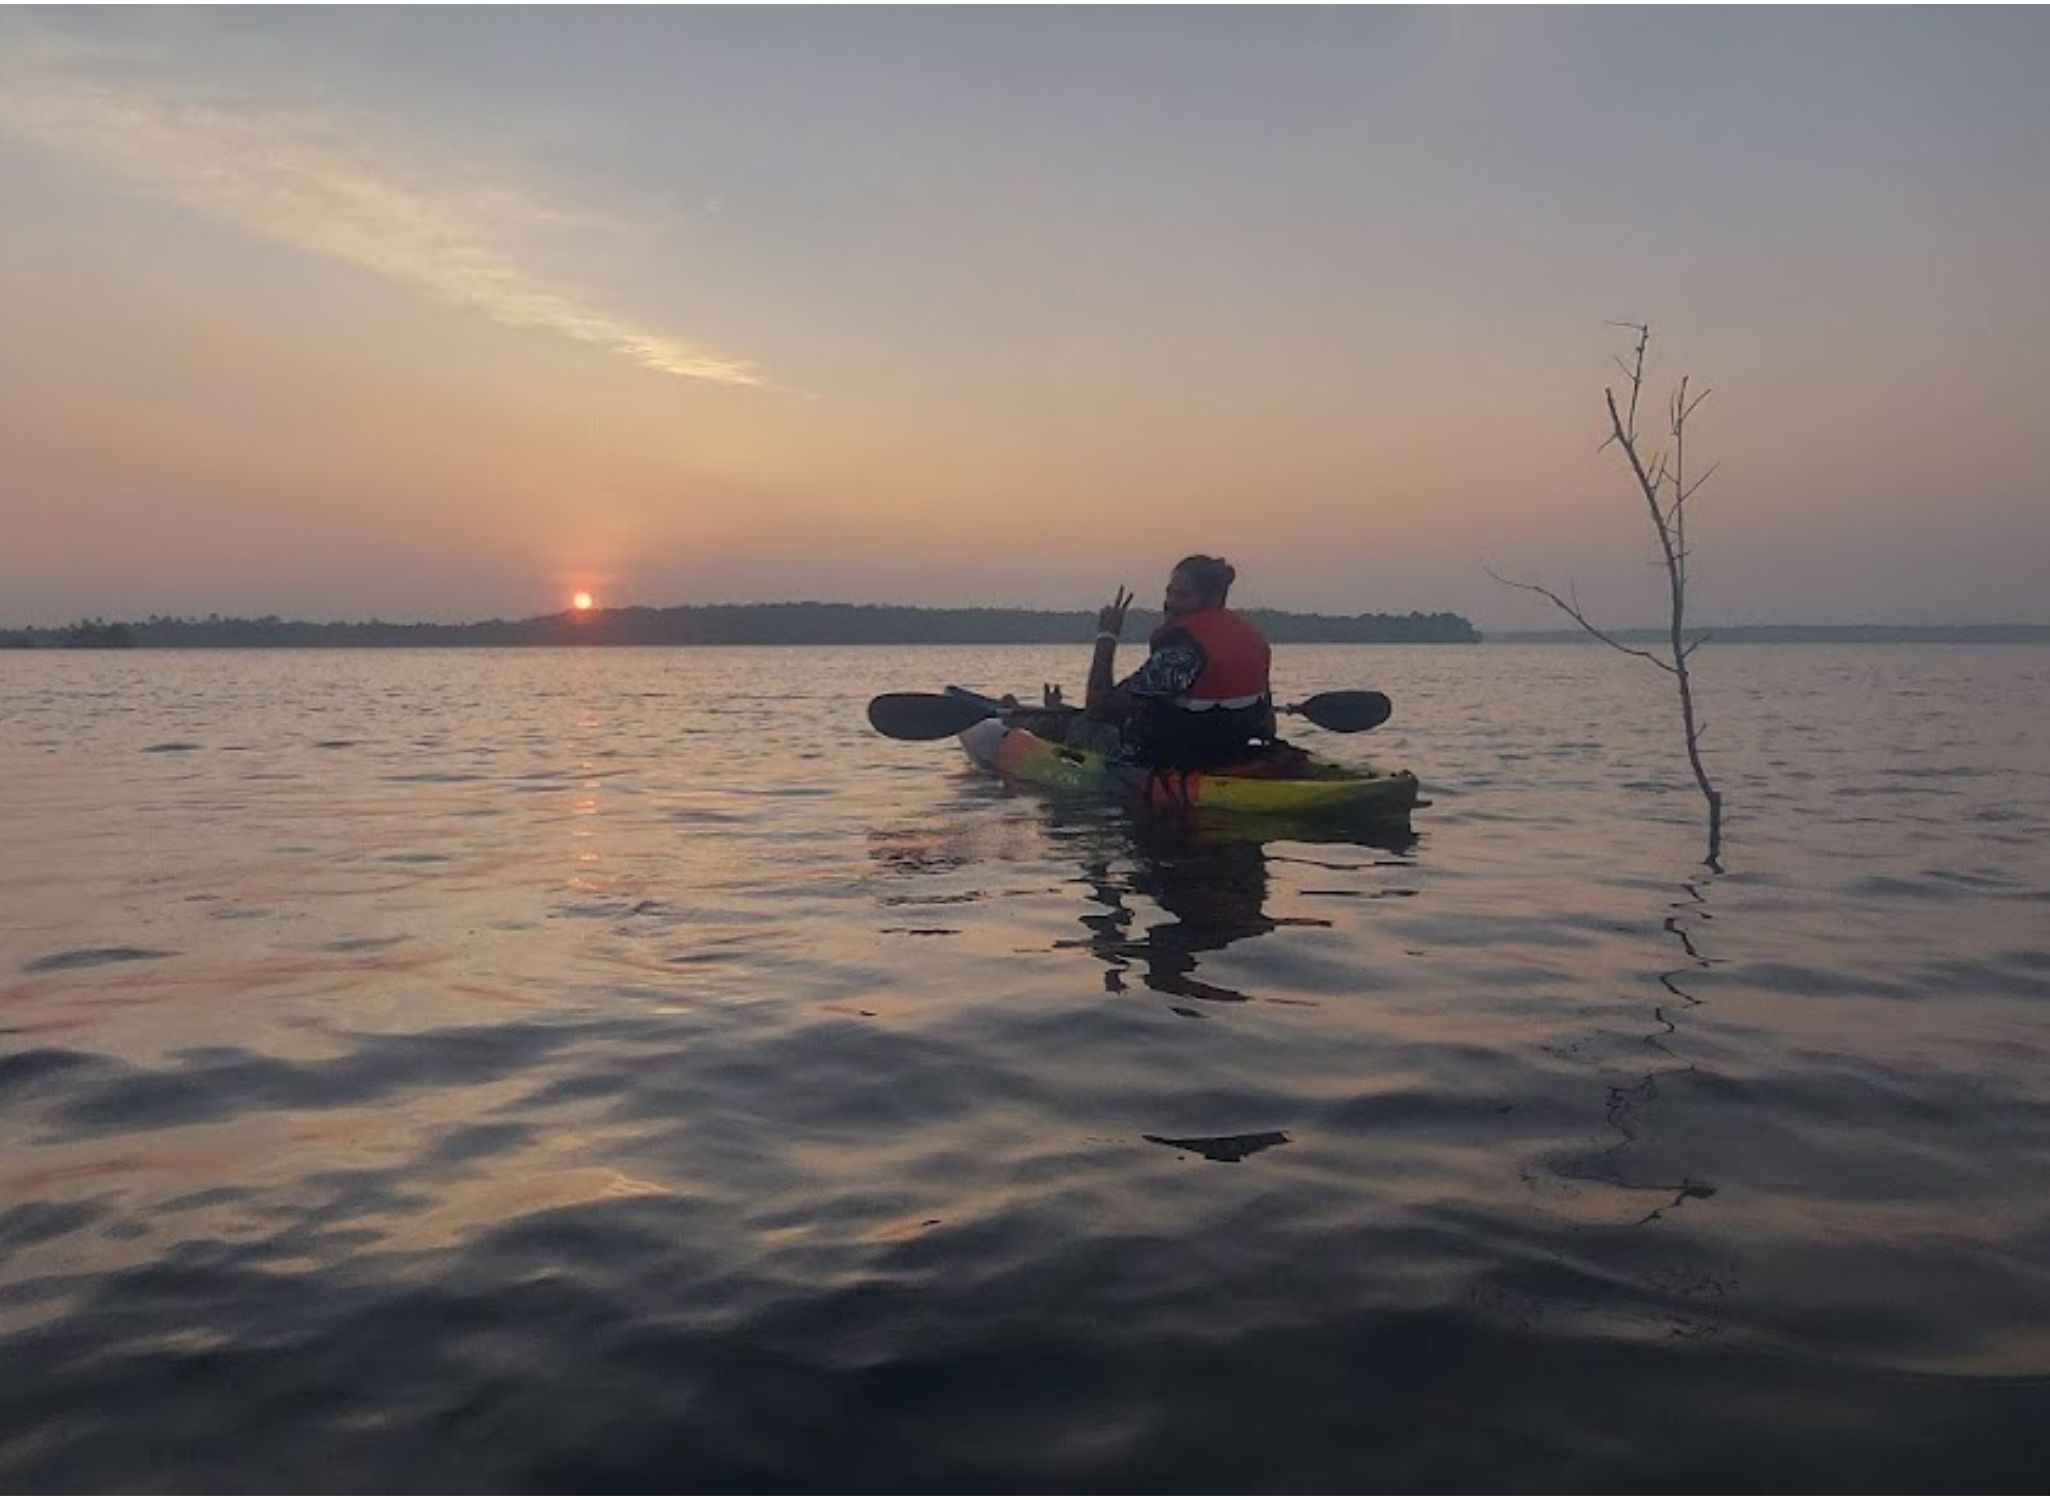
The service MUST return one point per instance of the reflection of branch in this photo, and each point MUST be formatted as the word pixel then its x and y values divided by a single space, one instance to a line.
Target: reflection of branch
pixel 1686 1188
pixel 1624 1099
pixel 1696 960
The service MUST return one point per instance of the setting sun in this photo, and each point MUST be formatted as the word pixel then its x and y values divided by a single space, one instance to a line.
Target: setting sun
pixel 580 601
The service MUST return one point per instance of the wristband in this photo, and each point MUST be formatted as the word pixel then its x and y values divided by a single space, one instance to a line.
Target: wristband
pixel 1107 635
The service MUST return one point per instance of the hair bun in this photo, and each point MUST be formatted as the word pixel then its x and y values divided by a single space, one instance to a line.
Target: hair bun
pixel 1212 574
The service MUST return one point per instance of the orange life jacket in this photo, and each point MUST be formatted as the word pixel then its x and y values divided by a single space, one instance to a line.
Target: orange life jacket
pixel 1235 659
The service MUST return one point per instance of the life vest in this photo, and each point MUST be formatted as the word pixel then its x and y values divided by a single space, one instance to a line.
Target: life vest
pixel 1235 660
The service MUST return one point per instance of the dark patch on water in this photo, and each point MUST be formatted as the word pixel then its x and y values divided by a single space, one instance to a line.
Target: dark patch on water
pixel 20 1071
pixel 708 815
pixel 86 958
pixel 1225 1148
pixel 27 1224
pixel 360 944
pixel 610 909
pixel 474 1142
pixel 169 747
pixel 206 1198
pixel 1799 979
pixel 213 1083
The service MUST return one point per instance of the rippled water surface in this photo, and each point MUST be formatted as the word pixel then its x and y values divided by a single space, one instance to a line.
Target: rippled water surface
pixel 500 1070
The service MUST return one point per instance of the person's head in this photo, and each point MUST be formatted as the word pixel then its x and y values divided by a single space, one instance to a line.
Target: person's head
pixel 1198 582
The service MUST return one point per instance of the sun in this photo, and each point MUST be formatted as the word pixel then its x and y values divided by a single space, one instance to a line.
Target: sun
pixel 581 600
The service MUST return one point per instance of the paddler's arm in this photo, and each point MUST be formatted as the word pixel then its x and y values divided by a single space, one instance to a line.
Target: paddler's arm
pixel 1173 667
pixel 1104 700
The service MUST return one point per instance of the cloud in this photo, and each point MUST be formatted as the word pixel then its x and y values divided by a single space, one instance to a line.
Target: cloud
pixel 325 186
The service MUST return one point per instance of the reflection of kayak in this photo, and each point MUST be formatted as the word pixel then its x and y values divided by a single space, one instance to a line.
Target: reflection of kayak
pixel 1295 783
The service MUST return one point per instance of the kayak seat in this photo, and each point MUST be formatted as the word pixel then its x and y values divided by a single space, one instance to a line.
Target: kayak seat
pixel 1277 761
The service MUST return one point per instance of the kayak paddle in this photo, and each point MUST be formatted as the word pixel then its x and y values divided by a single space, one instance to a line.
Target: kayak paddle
pixel 932 716
pixel 1342 713
pixel 925 716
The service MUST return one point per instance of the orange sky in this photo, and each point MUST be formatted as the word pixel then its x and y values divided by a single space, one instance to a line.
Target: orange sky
pixel 442 314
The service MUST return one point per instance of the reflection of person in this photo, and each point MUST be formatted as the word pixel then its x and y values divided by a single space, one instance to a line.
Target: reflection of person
pixel 1215 894
pixel 1201 698
pixel 1212 886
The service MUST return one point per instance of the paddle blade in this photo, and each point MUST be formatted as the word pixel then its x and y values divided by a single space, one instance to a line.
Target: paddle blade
pixel 922 716
pixel 1346 713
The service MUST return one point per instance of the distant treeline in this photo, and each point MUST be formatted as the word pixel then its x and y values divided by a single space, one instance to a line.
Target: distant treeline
pixel 1820 635
pixel 806 624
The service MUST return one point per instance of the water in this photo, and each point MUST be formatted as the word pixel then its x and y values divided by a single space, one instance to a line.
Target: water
pixel 500 1070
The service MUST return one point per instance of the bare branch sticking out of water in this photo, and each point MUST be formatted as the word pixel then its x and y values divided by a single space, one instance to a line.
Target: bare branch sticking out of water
pixel 1663 477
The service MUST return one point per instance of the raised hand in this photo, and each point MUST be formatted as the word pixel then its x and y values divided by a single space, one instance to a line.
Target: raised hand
pixel 1110 620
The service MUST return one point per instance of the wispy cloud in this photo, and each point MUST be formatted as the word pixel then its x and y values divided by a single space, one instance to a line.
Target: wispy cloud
pixel 319 184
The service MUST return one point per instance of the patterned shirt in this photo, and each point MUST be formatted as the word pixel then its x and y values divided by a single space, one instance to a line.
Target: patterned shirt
pixel 1177 661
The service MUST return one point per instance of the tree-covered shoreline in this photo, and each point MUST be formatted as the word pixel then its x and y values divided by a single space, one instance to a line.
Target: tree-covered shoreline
pixel 797 624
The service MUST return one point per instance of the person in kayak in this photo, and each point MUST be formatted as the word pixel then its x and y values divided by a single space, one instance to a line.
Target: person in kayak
pixel 1201 698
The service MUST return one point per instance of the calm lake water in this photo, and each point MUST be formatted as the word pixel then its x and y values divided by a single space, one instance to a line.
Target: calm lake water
pixel 515 1069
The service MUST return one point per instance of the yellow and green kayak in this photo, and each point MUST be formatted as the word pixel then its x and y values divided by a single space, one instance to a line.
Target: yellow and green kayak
pixel 1297 784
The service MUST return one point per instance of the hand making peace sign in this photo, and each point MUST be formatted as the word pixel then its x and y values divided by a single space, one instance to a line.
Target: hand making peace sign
pixel 1110 620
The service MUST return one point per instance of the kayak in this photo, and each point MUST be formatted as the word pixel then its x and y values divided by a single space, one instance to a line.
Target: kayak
pixel 1292 783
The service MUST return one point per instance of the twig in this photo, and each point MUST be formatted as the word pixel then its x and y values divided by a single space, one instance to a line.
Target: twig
pixel 1537 588
pixel 1706 475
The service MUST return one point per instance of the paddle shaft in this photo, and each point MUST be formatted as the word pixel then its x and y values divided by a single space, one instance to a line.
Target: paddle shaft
pixel 933 716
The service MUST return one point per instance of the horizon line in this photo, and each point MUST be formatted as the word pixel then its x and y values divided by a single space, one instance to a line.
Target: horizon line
pixel 598 612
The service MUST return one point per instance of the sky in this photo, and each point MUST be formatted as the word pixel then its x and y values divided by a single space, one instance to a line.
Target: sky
pixel 443 314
